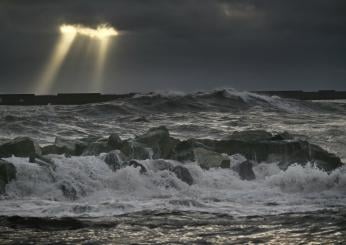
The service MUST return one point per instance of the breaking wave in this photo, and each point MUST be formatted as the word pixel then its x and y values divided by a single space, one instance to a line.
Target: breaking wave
pixel 85 186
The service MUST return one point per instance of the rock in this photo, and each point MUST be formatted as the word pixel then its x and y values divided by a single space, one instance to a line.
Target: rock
pixel 115 159
pixel 286 152
pixel 70 146
pixel 183 174
pixel 7 173
pixel 20 147
pixel 323 159
pixel 52 149
pixel 135 150
pixel 136 164
pixel 43 161
pixel 196 150
pixel 225 163
pixel 183 150
pixel 114 141
pixel 96 148
pixel 245 171
pixel 159 140
pixel 160 165
pixel 210 159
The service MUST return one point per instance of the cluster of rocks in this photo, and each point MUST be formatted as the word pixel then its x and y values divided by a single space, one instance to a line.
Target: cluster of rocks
pixel 255 146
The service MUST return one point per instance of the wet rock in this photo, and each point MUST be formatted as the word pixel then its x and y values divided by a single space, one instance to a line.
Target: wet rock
pixel 210 159
pixel 245 171
pixel 42 161
pixel 135 150
pixel 184 150
pixel 323 159
pixel 225 163
pixel 136 164
pixel 20 147
pixel 7 173
pixel 183 174
pixel 160 165
pixel 196 150
pixel 96 148
pixel 52 149
pixel 285 152
pixel 114 141
pixel 159 140
pixel 70 146
pixel 115 159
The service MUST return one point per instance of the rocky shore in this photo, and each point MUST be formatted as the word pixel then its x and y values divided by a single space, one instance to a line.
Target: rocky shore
pixel 239 151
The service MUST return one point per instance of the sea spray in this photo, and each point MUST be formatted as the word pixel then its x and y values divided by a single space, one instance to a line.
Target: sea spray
pixel 98 191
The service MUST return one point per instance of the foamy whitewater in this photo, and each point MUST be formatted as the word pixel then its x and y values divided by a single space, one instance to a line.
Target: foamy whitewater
pixel 102 193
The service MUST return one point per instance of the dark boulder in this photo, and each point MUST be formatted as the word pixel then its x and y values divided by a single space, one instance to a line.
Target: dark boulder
pixel 184 150
pixel 197 151
pixel 136 150
pixel 72 147
pixel 286 152
pixel 210 159
pixel 96 148
pixel 183 174
pixel 159 140
pixel 160 165
pixel 52 149
pixel 7 173
pixel 136 164
pixel 115 160
pixel 245 171
pixel 43 161
pixel 114 141
pixel 20 147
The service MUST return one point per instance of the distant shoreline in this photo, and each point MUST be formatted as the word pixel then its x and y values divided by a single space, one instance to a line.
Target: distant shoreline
pixel 86 98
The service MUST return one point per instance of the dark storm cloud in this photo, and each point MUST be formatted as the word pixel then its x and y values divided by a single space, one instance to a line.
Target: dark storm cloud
pixel 186 44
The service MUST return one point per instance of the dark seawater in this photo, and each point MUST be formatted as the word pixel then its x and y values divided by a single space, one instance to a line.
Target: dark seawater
pixel 172 227
pixel 300 205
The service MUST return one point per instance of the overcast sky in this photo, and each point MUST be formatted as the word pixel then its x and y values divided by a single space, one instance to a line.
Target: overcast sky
pixel 179 44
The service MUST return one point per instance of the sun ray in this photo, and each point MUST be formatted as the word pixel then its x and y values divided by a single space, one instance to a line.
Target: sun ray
pixel 101 34
pixel 102 51
pixel 57 58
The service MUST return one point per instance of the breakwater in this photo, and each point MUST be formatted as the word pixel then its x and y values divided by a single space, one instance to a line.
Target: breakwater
pixel 85 98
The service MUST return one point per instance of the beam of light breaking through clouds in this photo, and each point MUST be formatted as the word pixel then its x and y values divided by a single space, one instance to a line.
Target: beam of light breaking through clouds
pixel 101 34
pixel 58 56
pixel 102 51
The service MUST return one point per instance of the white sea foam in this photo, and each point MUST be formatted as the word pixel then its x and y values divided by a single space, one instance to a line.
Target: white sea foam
pixel 101 192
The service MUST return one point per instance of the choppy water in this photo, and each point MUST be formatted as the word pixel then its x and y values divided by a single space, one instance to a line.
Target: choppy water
pixel 217 198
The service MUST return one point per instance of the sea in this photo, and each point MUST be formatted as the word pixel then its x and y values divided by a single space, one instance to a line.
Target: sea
pixel 299 205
